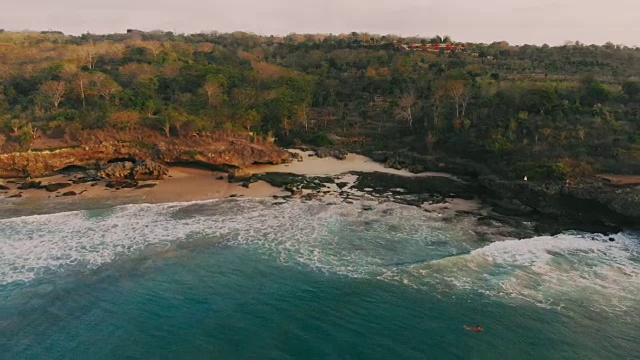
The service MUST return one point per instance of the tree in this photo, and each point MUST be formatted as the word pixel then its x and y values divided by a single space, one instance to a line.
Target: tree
pixel 79 85
pixel 155 47
pixel 249 118
pixel 405 104
pixel 124 119
pixel 173 118
pixel 594 92
pixel 301 113
pixel 165 123
pixel 214 89
pixel 459 92
pixel 104 85
pixel 54 91
pixel 437 96
pixel 16 125
pixel 90 52
pixel 4 105
pixel 286 125
pixel 150 107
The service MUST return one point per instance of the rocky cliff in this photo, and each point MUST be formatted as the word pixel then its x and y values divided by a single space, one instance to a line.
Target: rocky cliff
pixel 591 202
pixel 584 204
pixel 219 154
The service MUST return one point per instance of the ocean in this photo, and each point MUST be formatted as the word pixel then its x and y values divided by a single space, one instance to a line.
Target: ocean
pixel 249 279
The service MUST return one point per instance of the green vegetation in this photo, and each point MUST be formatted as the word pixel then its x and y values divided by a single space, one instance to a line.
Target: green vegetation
pixel 541 111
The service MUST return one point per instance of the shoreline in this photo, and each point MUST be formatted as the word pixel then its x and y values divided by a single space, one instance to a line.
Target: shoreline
pixel 181 184
pixel 332 182
pixel 355 180
pixel 192 183
pixel 185 184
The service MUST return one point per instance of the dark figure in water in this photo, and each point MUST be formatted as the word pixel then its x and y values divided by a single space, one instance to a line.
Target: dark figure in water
pixel 612 239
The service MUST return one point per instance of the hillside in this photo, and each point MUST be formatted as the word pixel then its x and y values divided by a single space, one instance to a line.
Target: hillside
pixel 545 112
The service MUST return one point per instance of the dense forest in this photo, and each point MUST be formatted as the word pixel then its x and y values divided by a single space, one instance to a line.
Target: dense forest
pixel 550 112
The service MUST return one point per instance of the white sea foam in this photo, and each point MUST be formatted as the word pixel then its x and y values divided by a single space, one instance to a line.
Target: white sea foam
pixel 550 271
pixel 393 243
pixel 312 234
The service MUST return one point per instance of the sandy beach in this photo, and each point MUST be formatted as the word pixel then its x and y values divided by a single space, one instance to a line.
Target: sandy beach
pixel 328 166
pixel 182 184
pixel 189 184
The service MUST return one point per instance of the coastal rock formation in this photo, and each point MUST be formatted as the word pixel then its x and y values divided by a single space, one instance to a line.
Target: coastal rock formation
pixel 588 202
pixel 215 154
pixel 148 170
pixel 56 186
pixel 339 154
pixel 141 170
pixel 592 204
pixel 117 171
pixel 417 163
pixel 122 184
pixel 30 185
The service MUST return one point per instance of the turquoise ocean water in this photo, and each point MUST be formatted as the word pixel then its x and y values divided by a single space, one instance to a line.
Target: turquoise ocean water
pixel 246 279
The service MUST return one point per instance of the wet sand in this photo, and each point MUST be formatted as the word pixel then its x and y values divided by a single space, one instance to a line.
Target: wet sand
pixel 328 166
pixel 188 184
pixel 182 184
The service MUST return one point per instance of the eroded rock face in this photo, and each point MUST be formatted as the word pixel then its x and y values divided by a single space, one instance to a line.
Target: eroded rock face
pixel 148 170
pixel 117 171
pixel 588 202
pixel 141 170
pixel 229 153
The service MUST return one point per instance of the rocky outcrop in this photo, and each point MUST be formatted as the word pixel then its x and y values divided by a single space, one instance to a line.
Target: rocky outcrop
pixel 53 187
pixel 222 154
pixel 589 205
pixel 122 184
pixel 30 185
pixel 417 163
pixel 148 170
pixel 339 154
pixel 141 170
pixel 588 202
pixel 117 171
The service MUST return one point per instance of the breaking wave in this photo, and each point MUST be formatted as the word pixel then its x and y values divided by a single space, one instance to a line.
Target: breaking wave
pixel 395 243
